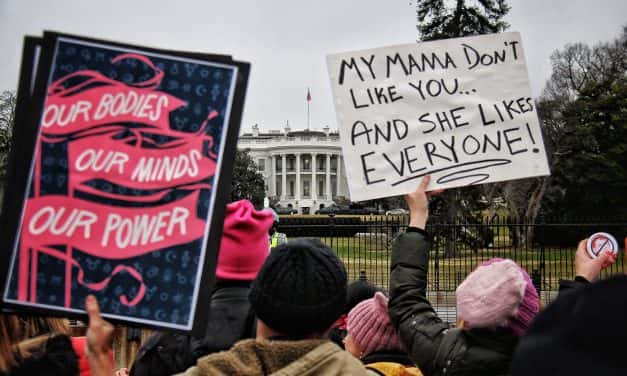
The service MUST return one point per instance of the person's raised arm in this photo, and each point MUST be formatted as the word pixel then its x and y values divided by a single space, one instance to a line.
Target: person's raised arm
pixel 419 327
pixel 99 335
pixel 418 204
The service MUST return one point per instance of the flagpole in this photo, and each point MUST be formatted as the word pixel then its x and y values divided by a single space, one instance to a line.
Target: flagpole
pixel 308 100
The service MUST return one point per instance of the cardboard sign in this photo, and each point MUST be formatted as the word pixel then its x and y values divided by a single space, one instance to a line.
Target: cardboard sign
pixel 457 109
pixel 129 177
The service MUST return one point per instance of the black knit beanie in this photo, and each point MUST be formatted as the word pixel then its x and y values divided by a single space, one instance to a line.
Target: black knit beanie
pixel 300 289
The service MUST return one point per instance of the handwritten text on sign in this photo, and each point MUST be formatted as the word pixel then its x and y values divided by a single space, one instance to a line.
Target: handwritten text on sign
pixel 458 109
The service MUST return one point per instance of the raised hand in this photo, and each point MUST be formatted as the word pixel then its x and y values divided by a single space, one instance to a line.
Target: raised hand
pixel 99 335
pixel 590 268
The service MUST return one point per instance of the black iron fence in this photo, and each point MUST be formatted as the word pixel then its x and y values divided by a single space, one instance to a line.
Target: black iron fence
pixel 545 248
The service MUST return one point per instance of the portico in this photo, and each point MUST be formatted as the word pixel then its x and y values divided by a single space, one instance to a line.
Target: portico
pixel 302 169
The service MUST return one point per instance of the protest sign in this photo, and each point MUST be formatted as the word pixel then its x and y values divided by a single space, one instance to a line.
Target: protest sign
pixel 129 176
pixel 457 109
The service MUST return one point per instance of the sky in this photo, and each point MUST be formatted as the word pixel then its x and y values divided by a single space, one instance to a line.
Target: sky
pixel 286 41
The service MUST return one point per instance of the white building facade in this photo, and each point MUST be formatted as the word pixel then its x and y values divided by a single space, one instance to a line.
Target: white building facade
pixel 302 170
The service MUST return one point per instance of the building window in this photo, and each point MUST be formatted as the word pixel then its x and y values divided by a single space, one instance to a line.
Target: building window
pixel 290 164
pixel 321 188
pixel 320 163
pixel 306 164
pixel 278 163
pixel 292 188
pixel 278 187
pixel 306 188
pixel 261 164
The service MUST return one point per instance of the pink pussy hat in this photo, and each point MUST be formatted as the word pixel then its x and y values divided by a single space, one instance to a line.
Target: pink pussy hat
pixel 245 244
pixel 369 325
pixel 499 293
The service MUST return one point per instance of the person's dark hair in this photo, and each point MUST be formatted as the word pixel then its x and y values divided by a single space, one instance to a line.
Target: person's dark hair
pixel 358 291
pixel 15 329
pixel 46 355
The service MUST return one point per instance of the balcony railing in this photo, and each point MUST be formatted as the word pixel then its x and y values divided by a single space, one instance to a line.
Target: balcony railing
pixel 284 139
pixel 279 171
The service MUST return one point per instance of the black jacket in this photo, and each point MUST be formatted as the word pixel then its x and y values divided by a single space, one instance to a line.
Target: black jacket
pixel 432 344
pixel 230 320
pixel 581 333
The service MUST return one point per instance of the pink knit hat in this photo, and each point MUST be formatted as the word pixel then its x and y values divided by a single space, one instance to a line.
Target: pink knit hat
pixel 370 326
pixel 245 243
pixel 498 293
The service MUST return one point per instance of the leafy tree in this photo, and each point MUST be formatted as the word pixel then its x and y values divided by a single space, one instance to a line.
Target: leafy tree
pixel 247 183
pixel 439 19
pixel 7 117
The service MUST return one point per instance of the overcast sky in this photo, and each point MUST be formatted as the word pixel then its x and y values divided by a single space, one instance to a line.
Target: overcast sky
pixel 286 40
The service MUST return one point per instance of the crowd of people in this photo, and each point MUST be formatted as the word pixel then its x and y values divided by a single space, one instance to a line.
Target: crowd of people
pixel 289 310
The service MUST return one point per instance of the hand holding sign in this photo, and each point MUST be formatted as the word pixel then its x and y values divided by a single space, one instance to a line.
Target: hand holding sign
pixel 99 336
pixel 590 268
pixel 418 203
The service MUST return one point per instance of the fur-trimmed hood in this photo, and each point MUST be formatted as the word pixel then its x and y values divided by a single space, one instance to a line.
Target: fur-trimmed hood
pixel 280 358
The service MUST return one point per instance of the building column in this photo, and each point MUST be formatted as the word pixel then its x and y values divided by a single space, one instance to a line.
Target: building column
pixel 297 195
pixel 327 178
pixel 338 175
pixel 283 179
pixel 272 186
pixel 314 182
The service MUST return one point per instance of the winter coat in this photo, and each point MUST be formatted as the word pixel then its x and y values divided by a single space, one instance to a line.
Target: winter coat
pixel 432 344
pixel 580 333
pixel 230 320
pixel 280 358
pixel 390 363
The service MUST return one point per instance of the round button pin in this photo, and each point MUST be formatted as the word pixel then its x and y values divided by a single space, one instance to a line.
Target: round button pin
pixel 601 242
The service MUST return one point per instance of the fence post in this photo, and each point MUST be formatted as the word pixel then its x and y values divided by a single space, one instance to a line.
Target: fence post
pixel 542 224
pixel 332 224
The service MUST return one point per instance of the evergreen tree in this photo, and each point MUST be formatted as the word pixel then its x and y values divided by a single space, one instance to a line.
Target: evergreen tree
pixel 583 111
pixel 247 183
pixel 440 19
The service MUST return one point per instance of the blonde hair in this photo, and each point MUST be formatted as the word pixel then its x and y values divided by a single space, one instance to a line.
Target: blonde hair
pixel 19 335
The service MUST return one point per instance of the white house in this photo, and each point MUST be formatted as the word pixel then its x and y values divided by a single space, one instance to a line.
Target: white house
pixel 302 169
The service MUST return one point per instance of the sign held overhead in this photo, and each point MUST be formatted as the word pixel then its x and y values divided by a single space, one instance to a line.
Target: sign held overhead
pixel 458 109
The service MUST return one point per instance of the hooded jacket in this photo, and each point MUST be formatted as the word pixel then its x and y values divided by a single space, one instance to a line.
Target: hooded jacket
pixel 431 343
pixel 279 358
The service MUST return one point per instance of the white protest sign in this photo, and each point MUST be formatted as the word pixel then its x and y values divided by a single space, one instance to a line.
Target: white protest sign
pixel 457 109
